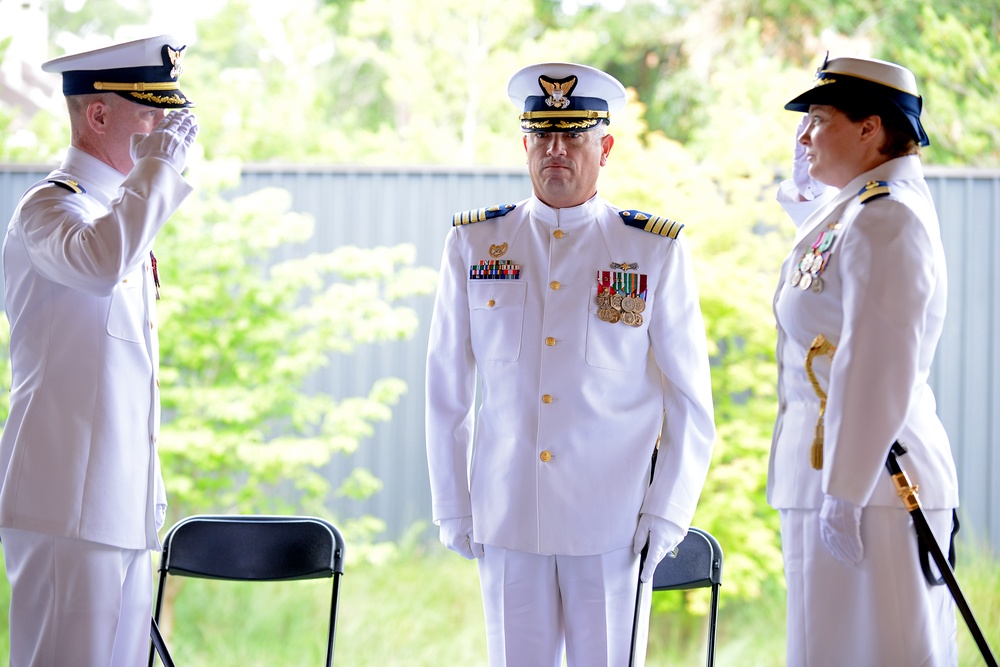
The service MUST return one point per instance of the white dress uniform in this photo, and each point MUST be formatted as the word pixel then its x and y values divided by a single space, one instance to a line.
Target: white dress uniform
pixel 78 453
pixel 81 492
pixel 572 404
pixel 867 271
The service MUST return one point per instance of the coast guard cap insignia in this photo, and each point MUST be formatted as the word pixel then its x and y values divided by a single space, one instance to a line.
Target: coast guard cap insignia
pixel 558 90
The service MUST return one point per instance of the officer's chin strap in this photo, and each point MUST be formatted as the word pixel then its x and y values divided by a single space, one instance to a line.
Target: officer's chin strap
pixel 925 538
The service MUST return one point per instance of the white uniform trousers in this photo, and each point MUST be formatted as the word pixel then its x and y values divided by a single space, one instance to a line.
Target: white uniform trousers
pixel 880 613
pixel 536 606
pixel 75 602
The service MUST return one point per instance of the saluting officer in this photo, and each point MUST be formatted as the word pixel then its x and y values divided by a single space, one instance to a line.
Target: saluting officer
pixel 81 495
pixel 582 322
pixel 860 307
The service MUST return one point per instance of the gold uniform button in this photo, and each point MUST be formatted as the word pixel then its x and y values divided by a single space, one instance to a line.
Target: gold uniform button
pixel 491 303
pixel 545 456
pixel 547 398
pixel 555 284
pixel 550 341
pixel 558 234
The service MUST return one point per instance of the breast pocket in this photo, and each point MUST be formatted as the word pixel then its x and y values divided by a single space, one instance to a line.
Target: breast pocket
pixel 127 315
pixel 496 314
pixel 616 346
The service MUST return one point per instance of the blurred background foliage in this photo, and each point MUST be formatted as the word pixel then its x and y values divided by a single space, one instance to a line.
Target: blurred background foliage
pixel 704 140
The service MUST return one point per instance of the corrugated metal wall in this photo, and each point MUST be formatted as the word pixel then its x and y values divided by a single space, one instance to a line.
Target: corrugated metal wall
pixel 967 366
pixel 380 206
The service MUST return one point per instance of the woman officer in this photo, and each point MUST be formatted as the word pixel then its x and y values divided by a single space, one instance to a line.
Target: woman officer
pixel 860 307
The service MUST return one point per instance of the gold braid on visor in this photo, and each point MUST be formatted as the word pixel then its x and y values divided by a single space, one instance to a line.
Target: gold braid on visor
pixel 593 115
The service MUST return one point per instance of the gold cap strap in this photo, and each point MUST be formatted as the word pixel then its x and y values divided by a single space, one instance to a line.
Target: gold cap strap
pixel 139 87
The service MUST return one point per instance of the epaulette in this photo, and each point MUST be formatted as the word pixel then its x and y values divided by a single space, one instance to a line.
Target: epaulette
pixel 873 190
pixel 480 214
pixel 651 223
pixel 72 186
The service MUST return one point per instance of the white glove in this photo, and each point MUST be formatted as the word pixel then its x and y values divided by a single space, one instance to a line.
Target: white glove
pixel 840 530
pixel 663 537
pixel 456 534
pixel 809 188
pixel 159 515
pixel 170 140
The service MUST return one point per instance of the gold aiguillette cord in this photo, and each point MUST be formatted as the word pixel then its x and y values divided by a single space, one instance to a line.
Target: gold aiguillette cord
pixel 820 345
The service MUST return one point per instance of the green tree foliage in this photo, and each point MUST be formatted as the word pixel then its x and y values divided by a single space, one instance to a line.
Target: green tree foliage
pixel 243 333
pixel 959 65
pixel 738 236
pixel 704 141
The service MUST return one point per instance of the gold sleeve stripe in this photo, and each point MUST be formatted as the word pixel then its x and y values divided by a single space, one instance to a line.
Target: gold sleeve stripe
pixel 655 224
pixel 663 226
pixel 873 190
pixel 480 214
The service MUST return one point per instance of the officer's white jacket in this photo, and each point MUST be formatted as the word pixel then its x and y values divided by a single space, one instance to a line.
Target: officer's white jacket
pixel 571 405
pixel 78 455
pixel 882 304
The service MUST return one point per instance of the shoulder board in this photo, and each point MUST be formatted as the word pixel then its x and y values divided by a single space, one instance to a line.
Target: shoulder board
pixel 873 190
pixel 480 214
pixel 72 186
pixel 654 224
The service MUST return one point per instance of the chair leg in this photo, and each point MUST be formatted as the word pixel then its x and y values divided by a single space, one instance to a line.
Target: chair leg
pixel 712 624
pixel 154 631
pixel 159 645
pixel 333 620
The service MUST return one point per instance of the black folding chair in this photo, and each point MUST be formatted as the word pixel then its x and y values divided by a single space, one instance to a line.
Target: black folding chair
pixel 698 564
pixel 251 548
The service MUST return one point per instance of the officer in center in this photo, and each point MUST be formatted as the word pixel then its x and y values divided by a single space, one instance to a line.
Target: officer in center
pixel 581 322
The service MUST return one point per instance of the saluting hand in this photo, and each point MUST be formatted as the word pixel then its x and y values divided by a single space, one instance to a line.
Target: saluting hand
pixel 170 140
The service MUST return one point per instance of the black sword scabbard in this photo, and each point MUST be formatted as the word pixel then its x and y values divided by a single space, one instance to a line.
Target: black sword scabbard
pixel 908 493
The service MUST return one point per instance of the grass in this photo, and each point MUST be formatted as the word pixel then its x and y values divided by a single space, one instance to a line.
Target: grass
pixel 425 610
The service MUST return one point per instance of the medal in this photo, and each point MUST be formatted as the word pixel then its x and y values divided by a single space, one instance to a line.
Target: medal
pixel 156 274
pixel 814 261
pixel 621 295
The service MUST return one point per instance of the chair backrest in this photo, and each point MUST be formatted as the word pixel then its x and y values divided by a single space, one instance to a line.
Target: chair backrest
pixel 253 548
pixel 698 564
